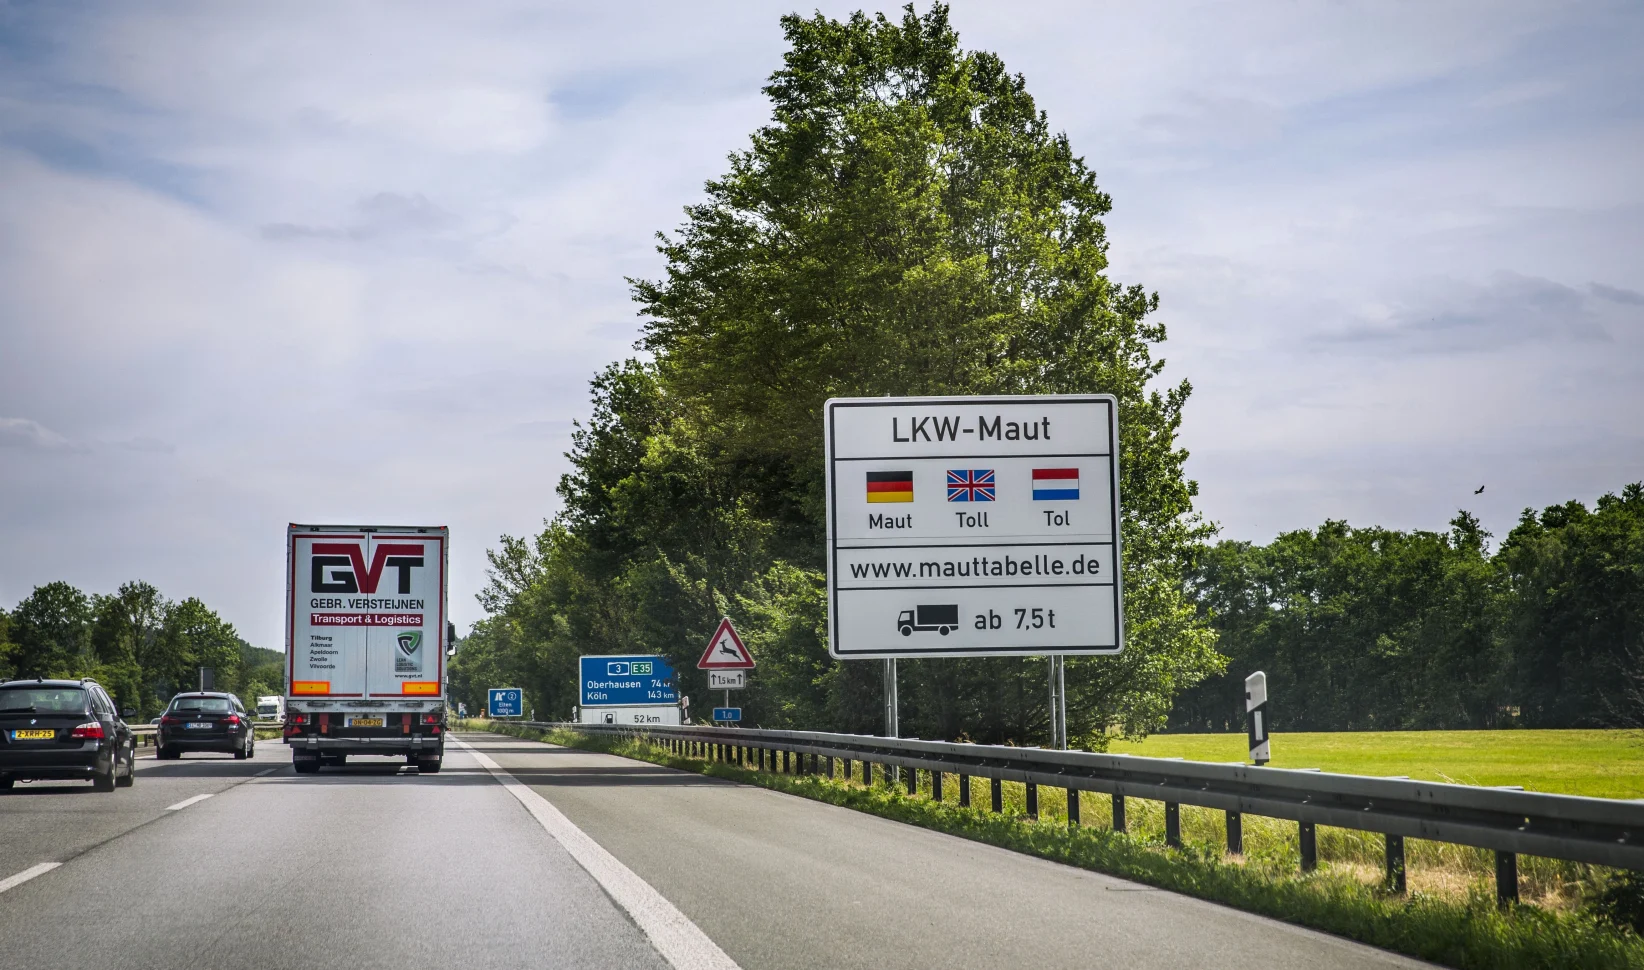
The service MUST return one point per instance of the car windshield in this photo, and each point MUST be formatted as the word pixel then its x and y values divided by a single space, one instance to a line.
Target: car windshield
pixel 42 700
pixel 213 704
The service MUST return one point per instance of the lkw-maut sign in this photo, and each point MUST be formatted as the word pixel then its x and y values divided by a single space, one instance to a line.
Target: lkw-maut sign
pixel 973 526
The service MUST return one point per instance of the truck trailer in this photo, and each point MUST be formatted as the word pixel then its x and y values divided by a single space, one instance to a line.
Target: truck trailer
pixel 366 640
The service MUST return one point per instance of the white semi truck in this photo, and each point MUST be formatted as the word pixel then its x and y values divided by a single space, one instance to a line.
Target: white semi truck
pixel 366 639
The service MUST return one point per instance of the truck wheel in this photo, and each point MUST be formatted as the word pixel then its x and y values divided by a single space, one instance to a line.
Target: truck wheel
pixel 944 631
pixel 305 766
pixel 428 766
pixel 907 631
pixel 6 783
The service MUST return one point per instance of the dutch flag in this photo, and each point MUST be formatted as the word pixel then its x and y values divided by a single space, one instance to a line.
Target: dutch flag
pixel 1055 484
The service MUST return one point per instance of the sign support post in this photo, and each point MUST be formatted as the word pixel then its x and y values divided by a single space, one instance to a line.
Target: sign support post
pixel 1058 702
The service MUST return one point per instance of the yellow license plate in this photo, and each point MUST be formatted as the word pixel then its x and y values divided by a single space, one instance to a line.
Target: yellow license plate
pixel 366 722
pixel 33 735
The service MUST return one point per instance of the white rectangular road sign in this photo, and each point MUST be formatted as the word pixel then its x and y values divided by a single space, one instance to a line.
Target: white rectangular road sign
pixel 727 679
pixel 973 526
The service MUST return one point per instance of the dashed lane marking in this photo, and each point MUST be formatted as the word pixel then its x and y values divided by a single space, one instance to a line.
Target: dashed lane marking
pixel 188 801
pixel 11 882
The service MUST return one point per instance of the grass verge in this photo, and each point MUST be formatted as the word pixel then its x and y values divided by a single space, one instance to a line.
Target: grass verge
pixel 1470 933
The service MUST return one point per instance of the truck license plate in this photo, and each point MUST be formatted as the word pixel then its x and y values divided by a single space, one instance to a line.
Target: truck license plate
pixel 33 735
pixel 365 722
pixel 199 724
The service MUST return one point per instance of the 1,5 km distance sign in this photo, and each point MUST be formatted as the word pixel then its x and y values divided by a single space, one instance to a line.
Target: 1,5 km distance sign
pixel 973 526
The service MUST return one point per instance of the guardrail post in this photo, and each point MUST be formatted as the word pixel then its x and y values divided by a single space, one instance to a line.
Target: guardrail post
pixel 1506 878
pixel 867 773
pixel 1309 847
pixel 1032 800
pixel 998 795
pixel 1395 863
pixel 936 785
pixel 1235 833
pixel 964 791
pixel 1073 806
pixel 830 767
pixel 847 762
pixel 913 781
pixel 1173 825
pixel 1118 812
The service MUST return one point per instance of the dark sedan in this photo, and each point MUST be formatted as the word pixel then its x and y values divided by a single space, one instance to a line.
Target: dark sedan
pixel 63 729
pixel 206 721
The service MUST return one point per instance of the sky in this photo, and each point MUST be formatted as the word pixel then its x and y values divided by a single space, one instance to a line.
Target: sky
pixel 356 263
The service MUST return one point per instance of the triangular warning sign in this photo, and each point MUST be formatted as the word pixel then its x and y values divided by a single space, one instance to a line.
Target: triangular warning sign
pixel 725 650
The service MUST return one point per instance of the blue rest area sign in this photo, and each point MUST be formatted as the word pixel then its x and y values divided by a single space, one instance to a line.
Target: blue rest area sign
pixel 728 714
pixel 504 702
pixel 613 681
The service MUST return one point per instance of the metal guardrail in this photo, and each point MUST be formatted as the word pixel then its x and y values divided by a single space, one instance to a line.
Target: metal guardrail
pixel 1510 822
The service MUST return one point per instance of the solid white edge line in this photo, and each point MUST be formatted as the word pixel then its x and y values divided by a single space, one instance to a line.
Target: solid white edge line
pixel 11 882
pixel 270 771
pixel 680 941
pixel 188 801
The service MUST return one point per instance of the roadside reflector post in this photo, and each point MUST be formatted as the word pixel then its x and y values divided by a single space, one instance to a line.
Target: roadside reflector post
pixel 1073 806
pixel 787 766
pixel 1395 863
pixel 964 791
pixel 1309 847
pixel 913 781
pixel 1173 825
pixel 1506 879
pixel 1235 833
pixel 867 774
pixel 847 762
pixel 1032 800
pixel 1118 812
pixel 998 795
pixel 1255 715
pixel 830 767
pixel 936 785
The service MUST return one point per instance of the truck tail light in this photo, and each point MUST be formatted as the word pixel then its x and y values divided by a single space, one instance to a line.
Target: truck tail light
pixel 430 719
pixel 297 719
pixel 89 731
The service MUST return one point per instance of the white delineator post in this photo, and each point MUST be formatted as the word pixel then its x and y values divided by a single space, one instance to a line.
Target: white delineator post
pixel 1255 710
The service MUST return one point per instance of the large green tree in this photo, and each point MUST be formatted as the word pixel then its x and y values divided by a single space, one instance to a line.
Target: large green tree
pixel 907 223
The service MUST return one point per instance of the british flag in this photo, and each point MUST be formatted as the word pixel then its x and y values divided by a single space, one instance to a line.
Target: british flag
pixel 970 485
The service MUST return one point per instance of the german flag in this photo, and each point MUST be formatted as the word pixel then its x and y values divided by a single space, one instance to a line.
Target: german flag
pixel 890 486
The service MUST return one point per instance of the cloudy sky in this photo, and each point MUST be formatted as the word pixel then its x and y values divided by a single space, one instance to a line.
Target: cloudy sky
pixel 266 263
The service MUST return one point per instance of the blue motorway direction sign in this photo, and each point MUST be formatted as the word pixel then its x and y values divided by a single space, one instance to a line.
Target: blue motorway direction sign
pixel 504 702
pixel 627 681
pixel 727 713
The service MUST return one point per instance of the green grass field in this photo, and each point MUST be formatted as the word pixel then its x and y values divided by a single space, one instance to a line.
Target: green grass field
pixel 1607 764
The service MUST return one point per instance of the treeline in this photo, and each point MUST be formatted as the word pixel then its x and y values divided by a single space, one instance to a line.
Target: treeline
pixel 906 223
pixel 141 646
pixel 1362 629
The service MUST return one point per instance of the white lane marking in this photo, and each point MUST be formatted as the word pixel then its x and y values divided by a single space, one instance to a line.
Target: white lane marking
pixel 680 941
pixel 11 882
pixel 270 771
pixel 188 801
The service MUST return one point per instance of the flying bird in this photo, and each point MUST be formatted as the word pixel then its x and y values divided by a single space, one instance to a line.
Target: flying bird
pixel 1479 490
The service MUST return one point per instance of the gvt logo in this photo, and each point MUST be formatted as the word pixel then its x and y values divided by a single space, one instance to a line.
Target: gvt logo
pixel 339 567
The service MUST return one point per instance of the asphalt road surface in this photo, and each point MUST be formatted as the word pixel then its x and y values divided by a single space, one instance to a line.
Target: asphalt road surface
pixel 527 855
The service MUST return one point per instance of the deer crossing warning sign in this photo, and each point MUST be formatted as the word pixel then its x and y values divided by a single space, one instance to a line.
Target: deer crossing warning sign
pixel 725 650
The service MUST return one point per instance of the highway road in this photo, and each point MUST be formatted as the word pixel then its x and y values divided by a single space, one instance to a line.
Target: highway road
pixel 526 855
